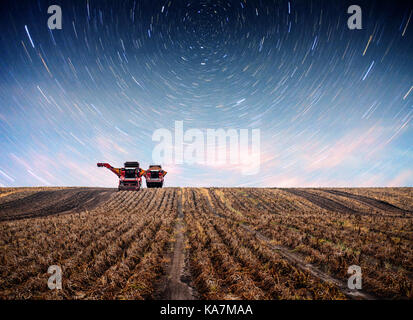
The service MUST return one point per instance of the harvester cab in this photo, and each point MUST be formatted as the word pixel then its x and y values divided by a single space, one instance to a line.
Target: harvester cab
pixel 154 176
pixel 130 176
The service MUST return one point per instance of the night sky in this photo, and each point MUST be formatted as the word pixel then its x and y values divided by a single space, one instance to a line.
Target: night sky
pixel 334 105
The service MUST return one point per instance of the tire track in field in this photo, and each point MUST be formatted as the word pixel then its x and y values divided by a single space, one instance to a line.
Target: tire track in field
pixel 175 288
pixel 299 262
pixel 373 203
pixel 369 257
pixel 322 202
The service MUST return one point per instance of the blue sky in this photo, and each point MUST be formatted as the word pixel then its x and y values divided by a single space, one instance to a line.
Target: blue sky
pixel 334 106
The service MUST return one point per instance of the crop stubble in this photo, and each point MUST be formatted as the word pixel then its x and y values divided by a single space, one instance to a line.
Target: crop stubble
pixel 206 243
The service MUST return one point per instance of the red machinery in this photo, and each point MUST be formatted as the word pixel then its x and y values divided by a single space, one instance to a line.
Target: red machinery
pixel 130 177
pixel 154 176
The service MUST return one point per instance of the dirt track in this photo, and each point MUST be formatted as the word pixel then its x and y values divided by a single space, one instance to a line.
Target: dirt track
pixel 175 288
pixel 206 243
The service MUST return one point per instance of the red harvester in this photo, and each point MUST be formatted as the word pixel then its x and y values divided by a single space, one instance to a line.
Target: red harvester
pixel 130 177
pixel 154 176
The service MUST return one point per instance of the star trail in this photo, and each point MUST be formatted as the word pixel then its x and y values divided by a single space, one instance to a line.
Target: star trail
pixel 334 105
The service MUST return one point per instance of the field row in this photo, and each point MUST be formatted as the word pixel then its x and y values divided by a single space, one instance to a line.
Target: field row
pixel 377 240
pixel 235 243
pixel 115 251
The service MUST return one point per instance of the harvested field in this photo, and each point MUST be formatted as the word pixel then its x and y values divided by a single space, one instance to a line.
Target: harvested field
pixel 27 203
pixel 206 243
